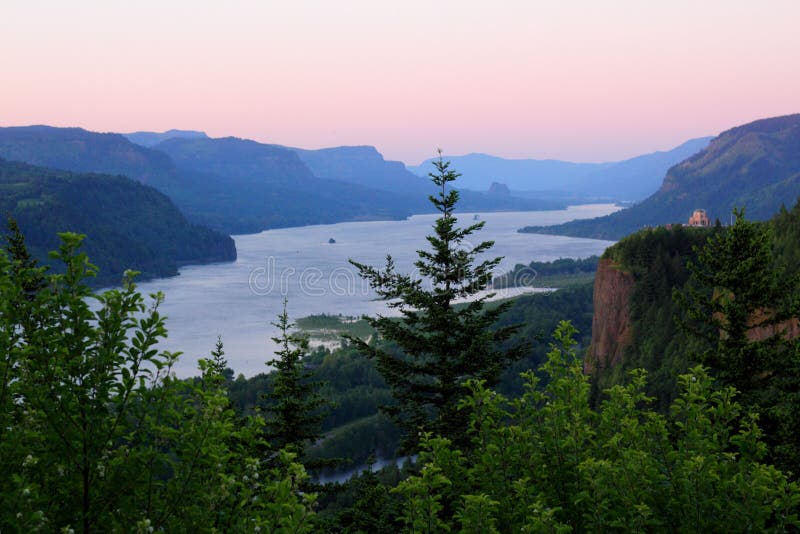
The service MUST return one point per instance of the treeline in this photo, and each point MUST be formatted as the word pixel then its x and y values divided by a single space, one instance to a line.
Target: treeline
pixel 557 273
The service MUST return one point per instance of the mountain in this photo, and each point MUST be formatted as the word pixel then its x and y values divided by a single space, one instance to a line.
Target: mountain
pixel 637 178
pixel 362 165
pixel 129 225
pixel 343 183
pixel 79 150
pixel 755 166
pixel 232 185
pixel 148 139
pixel 252 186
pixel 478 171
pixel 242 186
pixel 631 179
pixel 365 166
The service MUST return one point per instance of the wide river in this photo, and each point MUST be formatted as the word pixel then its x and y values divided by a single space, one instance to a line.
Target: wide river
pixel 239 300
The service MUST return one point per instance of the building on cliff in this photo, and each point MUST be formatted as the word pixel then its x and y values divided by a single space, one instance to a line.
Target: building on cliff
pixel 699 218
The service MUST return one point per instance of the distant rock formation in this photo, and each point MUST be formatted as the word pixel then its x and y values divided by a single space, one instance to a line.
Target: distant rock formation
pixel 499 189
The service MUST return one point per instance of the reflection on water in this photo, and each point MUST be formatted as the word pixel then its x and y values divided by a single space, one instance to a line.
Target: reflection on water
pixel 239 300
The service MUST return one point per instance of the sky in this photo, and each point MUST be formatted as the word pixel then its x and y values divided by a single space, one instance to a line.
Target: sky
pixel 596 80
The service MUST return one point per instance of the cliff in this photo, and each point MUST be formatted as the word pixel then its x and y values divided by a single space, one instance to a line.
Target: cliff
pixel 634 321
pixel 611 321
pixel 633 325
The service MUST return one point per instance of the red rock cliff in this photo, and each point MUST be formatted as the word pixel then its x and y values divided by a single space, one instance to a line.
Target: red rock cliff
pixel 611 322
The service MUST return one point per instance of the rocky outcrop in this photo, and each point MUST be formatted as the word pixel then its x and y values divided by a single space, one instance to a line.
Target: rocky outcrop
pixel 787 329
pixel 611 322
pixel 499 189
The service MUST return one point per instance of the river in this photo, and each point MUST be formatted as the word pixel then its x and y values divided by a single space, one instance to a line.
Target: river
pixel 238 300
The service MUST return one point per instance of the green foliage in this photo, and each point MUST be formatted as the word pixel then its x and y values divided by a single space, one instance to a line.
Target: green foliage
pixel 558 273
pixel 331 327
pixel 547 462
pixel 440 346
pixel 739 302
pixel 295 409
pixel 366 503
pixel 538 315
pixel 96 434
pixel 786 231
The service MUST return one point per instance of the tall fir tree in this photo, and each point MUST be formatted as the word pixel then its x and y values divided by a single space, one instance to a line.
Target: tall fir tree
pixel 27 273
pixel 295 408
pixel 739 302
pixel 441 346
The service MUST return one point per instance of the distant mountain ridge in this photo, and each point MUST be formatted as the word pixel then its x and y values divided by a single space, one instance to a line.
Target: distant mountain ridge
pixel 630 180
pixel 362 165
pixel 755 166
pixel 149 139
pixel 242 186
pixel 79 150
pixel 281 192
pixel 365 166
pixel 478 171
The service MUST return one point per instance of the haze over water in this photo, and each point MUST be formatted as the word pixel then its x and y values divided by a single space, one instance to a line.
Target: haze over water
pixel 239 300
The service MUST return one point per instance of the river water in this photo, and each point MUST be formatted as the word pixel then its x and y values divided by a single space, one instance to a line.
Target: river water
pixel 239 300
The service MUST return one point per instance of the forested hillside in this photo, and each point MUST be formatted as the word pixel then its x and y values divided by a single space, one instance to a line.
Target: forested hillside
pixel 130 225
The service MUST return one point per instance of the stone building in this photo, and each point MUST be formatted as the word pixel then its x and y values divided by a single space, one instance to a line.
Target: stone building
pixel 699 218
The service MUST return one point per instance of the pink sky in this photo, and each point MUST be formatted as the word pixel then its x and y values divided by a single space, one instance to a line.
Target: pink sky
pixel 568 79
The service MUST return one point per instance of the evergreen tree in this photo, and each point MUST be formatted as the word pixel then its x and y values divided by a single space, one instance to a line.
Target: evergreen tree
pixel 441 346
pixel 739 301
pixel 26 272
pixel 16 248
pixel 295 407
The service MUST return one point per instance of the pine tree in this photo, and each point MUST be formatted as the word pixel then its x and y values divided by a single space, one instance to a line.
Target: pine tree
pixel 295 407
pixel 441 346
pixel 736 288
pixel 24 266
pixel 738 301
pixel 25 271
